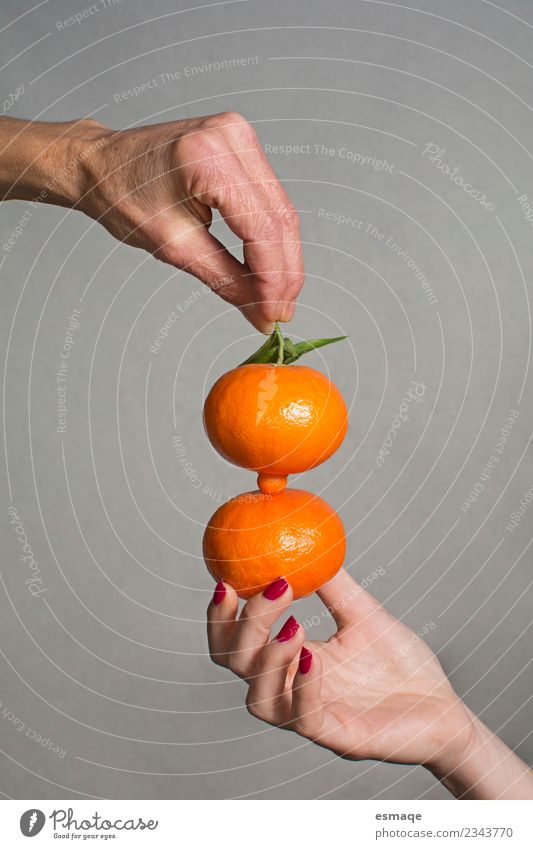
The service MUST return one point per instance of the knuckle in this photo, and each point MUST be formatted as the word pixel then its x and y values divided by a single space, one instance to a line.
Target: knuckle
pixel 194 155
pixel 246 619
pixel 252 611
pixel 305 727
pixel 219 660
pixel 235 124
pixel 182 148
pixel 296 281
pixel 231 119
pixel 289 217
pixel 198 269
pixel 252 619
pixel 164 253
pixel 198 147
pixel 270 225
pixel 91 123
pixel 237 666
pixel 253 706
pixel 299 726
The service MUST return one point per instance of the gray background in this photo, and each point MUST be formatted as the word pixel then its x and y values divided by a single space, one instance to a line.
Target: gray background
pixel 110 662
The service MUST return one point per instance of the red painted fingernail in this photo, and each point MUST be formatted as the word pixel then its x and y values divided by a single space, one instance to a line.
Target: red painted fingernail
pixel 306 659
pixel 219 594
pixel 288 631
pixel 276 589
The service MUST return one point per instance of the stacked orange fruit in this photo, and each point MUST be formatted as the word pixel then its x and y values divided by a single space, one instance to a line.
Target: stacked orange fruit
pixel 275 418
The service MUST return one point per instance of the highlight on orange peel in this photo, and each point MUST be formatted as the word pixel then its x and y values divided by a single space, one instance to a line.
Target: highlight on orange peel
pixel 276 420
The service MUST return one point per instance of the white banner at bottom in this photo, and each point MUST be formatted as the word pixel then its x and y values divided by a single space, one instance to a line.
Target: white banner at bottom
pixel 266 824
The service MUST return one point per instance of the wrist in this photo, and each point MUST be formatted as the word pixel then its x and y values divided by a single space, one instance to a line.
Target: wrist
pixel 80 143
pixel 483 767
pixel 44 161
pixel 460 747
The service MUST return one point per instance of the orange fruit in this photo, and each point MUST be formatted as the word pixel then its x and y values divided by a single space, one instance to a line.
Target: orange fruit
pixel 255 538
pixel 275 419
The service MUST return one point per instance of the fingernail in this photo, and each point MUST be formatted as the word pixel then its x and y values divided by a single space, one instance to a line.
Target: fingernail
pixel 288 631
pixel 306 659
pixel 286 311
pixel 276 589
pixel 219 594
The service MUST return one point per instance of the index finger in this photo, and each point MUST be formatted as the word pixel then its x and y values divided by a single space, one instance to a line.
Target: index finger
pixel 258 164
pixel 246 210
pixel 221 618
pixel 243 140
pixel 240 196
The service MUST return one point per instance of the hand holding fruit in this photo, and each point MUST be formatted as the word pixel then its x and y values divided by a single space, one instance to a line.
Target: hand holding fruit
pixel 154 187
pixel 373 690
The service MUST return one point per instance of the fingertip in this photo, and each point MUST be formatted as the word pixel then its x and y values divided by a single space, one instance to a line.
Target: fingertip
pixel 219 594
pixel 285 310
pixel 271 311
pixel 282 312
pixel 278 588
pixel 256 319
pixel 290 630
pixel 305 661
pixel 307 701
pixel 268 605
pixel 309 665
pixel 224 597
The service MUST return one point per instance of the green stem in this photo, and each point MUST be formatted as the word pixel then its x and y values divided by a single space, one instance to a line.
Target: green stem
pixel 281 344
pixel 278 350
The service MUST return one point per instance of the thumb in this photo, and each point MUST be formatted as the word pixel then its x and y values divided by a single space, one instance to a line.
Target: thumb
pixel 307 700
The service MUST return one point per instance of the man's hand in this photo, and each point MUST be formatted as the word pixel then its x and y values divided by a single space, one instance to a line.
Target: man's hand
pixel 154 187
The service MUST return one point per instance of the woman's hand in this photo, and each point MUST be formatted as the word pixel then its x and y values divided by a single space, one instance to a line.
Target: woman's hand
pixel 373 690
pixel 154 187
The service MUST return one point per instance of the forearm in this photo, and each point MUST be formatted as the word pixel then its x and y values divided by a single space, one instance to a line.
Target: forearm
pixel 487 769
pixel 43 160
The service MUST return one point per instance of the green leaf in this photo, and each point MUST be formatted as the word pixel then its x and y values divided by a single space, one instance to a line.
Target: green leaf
pixel 265 352
pixel 301 348
pixel 290 347
pixel 281 350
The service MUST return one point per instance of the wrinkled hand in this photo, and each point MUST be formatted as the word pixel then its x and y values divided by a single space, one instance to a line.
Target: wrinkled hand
pixel 373 690
pixel 154 187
